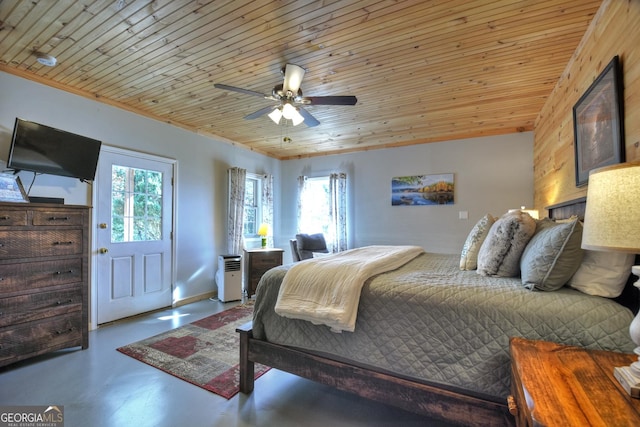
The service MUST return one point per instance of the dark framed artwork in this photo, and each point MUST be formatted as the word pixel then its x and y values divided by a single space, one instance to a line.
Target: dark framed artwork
pixel 598 123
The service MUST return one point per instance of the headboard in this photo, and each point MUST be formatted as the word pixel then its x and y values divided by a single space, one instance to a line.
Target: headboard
pixel 630 296
pixel 568 209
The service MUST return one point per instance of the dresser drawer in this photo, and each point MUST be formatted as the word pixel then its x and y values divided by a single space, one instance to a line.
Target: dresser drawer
pixel 58 217
pixel 30 339
pixel 34 275
pixel 30 307
pixel 24 244
pixel 266 259
pixel 13 217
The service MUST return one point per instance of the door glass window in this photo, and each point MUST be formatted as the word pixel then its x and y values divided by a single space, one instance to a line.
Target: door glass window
pixel 136 204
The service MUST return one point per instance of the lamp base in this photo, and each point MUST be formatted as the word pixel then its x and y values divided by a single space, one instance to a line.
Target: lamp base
pixel 629 376
pixel 629 381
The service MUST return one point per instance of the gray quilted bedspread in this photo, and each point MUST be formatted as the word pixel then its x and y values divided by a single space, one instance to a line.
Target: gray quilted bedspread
pixel 431 321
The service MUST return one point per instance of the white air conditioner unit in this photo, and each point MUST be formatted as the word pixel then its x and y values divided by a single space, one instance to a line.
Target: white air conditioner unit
pixel 229 277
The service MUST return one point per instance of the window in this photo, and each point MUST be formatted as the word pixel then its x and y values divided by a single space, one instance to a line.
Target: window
pixel 315 207
pixel 252 206
pixel 136 204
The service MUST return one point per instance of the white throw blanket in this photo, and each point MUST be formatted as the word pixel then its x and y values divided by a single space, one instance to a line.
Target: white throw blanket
pixel 327 290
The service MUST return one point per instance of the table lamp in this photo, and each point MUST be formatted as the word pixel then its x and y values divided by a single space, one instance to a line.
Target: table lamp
pixel 612 223
pixel 262 232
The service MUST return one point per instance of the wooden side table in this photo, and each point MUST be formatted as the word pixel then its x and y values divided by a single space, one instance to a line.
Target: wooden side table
pixel 557 385
pixel 256 263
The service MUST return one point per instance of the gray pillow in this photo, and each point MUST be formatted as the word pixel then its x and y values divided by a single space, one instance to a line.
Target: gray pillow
pixel 500 253
pixel 552 256
pixel 310 243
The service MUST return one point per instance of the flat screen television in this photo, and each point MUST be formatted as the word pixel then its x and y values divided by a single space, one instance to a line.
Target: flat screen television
pixel 43 149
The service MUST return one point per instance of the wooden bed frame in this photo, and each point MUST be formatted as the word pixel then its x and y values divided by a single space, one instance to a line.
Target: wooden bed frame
pixel 411 395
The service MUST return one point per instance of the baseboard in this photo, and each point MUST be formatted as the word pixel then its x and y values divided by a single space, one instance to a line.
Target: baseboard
pixel 195 298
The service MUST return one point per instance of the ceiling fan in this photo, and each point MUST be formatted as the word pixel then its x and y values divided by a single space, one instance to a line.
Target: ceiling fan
pixel 290 100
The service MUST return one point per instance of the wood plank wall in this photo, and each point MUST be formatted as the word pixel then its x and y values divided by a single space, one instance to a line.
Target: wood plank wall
pixel 614 31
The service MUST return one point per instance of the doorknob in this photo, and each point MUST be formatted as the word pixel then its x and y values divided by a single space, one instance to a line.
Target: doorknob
pixel 103 250
pixel 103 225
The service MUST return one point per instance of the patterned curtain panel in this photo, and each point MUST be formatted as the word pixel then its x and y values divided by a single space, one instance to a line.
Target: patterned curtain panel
pixel 267 205
pixel 237 178
pixel 338 210
pixel 302 183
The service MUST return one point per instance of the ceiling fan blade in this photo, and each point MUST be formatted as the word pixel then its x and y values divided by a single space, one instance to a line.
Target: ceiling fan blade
pixel 329 100
pixel 260 112
pixel 240 90
pixel 293 75
pixel 309 120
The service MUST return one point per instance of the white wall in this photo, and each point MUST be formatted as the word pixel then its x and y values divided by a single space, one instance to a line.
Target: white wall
pixel 202 164
pixel 492 174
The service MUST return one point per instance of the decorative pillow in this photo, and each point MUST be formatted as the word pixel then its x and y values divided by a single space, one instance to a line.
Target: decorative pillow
pixel 500 253
pixel 310 243
pixel 552 255
pixel 478 234
pixel 603 273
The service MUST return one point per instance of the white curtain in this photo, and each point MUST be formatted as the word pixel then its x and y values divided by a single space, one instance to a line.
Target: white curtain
pixel 338 211
pixel 302 183
pixel 267 205
pixel 237 179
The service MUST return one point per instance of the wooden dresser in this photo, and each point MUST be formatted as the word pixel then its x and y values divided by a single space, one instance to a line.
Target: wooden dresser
pixel 256 263
pixel 43 279
pixel 557 385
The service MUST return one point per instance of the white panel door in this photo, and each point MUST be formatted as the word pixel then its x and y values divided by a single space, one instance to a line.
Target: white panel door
pixel 134 216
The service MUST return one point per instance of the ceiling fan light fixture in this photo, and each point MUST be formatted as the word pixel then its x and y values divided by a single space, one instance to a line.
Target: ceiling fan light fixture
pixel 288 111
pixel 275 115
pixel 297 118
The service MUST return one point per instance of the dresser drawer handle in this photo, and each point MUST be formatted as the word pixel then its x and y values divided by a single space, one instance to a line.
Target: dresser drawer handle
pixel 63 243
pixel 5 218
pixel 58 218
pixel 63 272
pixel 69 301
pixel 66 331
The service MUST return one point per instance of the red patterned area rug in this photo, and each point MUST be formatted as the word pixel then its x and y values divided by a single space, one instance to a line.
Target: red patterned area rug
pixel 205 353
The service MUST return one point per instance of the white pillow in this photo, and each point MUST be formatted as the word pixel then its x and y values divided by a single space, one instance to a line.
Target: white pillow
pixel 320 254
pixel 603 273
pixel 469 255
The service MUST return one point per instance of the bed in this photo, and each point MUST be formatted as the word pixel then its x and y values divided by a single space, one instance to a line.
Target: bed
pixel 432 338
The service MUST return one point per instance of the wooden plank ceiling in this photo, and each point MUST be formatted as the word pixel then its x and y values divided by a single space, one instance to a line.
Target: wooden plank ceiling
pixel 423 71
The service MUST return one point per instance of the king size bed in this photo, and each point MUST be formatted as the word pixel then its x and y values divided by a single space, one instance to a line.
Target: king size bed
pixel 432 337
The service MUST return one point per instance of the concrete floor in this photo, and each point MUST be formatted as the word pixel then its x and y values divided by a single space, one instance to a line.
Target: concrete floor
pixel 102 387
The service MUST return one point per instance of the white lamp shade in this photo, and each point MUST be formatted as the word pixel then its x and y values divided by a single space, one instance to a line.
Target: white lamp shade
pixel 275 115
pixel 297 118
pixel 612 216
pixel 288 111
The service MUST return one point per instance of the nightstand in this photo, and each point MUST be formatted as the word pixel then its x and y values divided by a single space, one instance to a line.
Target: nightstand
pixel 557 385
pixel 256 263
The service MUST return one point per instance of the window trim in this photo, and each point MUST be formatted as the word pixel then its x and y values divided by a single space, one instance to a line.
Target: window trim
pixel 258 205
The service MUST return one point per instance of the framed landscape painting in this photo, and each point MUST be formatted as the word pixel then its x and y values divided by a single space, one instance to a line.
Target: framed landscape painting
pixel 598 125
pixel 422 190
